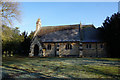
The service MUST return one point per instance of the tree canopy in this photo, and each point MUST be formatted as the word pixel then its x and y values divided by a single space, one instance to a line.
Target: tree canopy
pixel 111 31
pixel 13 41
pixel 11 38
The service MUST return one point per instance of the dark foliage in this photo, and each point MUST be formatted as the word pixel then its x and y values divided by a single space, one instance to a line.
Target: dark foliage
pixel 111 31
pixel 25 45
pixel 14 42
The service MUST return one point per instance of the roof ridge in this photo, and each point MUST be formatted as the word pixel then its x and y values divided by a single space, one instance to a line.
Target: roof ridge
pixel 69 25
pixel 49 29
pixel 61 25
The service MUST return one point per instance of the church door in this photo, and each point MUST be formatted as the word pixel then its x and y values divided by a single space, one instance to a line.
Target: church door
pixel 36 50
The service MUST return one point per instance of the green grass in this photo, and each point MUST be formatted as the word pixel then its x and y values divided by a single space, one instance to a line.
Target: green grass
pixel 25 67
pixel 111 59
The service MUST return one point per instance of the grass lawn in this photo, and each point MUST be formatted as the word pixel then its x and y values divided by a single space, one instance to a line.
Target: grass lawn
pixel 25 67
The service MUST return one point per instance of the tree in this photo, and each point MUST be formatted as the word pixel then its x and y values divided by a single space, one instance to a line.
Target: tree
pixel 111 31
pixel 31 35
pixel 25 45
pixel 11 39
pixel 10 11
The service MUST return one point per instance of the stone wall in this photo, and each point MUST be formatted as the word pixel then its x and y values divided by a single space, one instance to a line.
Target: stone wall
pixel 35 42
pixel 101 51
pixel 62 51
pixel 70 52
pixel 95 50
pixel 58 49
pixel 49 53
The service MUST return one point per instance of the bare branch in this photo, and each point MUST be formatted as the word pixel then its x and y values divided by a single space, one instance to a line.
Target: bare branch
pixel 10 12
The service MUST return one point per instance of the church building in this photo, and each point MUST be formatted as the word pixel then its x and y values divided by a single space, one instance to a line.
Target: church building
pixel 75 40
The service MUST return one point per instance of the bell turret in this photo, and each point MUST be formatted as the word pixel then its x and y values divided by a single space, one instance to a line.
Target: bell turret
pixel 38 24
pixel 80 25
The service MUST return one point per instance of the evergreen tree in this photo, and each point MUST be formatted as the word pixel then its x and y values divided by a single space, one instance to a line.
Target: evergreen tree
pixel 111 31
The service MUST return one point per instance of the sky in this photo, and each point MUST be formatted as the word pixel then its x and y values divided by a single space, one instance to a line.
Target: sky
pixel 64 13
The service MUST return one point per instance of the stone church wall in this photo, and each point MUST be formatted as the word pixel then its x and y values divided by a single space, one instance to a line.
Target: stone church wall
pixel 35 42
pixel 70 52
pixel 62 51
pixel 89 52
pixel 95 50
pixel 59 49
pixel 51 52
pixel 102 51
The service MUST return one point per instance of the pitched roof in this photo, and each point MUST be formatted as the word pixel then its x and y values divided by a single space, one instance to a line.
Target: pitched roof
pixel 49 29
pixel 91 35
pixel 69 33
pixel 58 36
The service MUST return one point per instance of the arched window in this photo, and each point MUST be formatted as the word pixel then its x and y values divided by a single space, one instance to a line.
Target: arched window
pixel 88 45
pixel 68 46
pixel 49 47
pixel 101 45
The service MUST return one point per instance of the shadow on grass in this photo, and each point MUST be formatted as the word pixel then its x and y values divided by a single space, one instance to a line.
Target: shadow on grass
pixel 13 60
pixel 38 76
pixel 53 67
pixel 26 71
pixel 35 74
pixel 96 71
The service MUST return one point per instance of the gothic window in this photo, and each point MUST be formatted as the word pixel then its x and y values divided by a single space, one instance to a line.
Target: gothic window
pixel 57 49
pixel 101 45
pixel 57 45
pixel 49 47
pixel 88 46
pixel 68 46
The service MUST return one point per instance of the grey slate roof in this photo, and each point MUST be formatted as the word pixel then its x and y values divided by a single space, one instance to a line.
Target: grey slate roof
pixel 58 36
pixel 49 29
pixel 89 34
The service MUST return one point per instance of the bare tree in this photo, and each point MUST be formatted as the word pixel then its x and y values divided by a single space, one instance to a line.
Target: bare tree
pixel 10 11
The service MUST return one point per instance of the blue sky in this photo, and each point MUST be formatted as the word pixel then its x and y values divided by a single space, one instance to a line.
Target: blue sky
pixel 64 13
